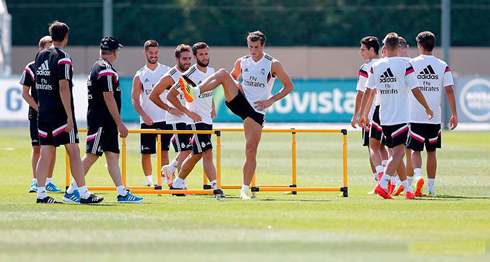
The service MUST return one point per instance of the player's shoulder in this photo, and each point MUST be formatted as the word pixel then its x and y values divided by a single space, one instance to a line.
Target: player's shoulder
pixel 31 65
pixel 172 71
pixel 244 58
pixel 269 57
pixel 141 70
pixel 190 71
pixel 62 53
pixel 163 67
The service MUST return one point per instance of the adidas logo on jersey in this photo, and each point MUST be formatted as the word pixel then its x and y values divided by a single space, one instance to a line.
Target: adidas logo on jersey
pixel 246 70
pixel 43 70
pixel 146 80
pixel 427 73
pixel 387 77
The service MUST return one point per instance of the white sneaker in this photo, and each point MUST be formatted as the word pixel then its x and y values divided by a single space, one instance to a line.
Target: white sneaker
pixel 168 174
pixel 244 195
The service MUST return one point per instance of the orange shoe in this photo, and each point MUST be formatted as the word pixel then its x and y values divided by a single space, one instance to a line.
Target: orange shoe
pixel 380 175
pixel 409 195
pixel 398 190
pixel 382 192
pixel 418 190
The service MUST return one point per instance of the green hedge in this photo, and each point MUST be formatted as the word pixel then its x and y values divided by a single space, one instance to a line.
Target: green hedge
pixel 226 23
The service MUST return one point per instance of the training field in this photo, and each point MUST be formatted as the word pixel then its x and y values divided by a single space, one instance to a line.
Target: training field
pixel 273 226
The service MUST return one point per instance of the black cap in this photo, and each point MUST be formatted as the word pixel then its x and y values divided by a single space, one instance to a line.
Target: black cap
pixel 109 43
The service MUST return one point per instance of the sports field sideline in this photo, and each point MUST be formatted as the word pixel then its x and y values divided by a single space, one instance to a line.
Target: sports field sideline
pixel 274 226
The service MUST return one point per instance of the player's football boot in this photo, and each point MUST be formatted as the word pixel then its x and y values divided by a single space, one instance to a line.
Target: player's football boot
pixel 420 184
pixel 187 89
pixel 169 176
pixel 382 192
pixel 92 199
pixel 47 200
pixel 244 195
pixel 409 195
pixel 72 198
pixel 33 188
pixel 431 194
pixel 52 188
pixel 174 188
pixel 398 190
pixel 129 198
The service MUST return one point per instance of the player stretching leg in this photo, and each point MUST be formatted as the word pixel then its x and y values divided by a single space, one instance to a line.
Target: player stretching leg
pixel 249 101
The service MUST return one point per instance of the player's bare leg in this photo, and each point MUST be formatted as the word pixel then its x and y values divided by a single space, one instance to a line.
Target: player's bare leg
pixel 431 171
pixel 253 133
pixel 417 170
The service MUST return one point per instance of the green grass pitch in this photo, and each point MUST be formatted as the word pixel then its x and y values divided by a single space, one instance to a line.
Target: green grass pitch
pixel 273 226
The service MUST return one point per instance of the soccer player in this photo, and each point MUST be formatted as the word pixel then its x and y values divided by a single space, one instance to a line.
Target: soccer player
pixel 433 77
pixel 151 116
pixel 404 47
pixel 103 118
pixel 369 51
pixel 56 115
pixel 248 99
pixel 392 77
pixel 175 117
pixel 202 111
pixel 29 93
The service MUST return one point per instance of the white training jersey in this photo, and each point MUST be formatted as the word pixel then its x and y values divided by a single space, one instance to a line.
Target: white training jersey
pixel 393 78
pixel 149 78
pixel 173 119
pixel 257 79
pixel 362 78
pixel 203 104
pixel 433 75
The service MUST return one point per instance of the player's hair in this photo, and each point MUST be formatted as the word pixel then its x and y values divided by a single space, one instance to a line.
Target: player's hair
pixel 391 41
pixel 181 48
pixel 43 42
pixel 371 42
pixel 256 36
pixel 58 30
pixel 427 40
pixel 198 45
pixel 403 42
pixel 150 43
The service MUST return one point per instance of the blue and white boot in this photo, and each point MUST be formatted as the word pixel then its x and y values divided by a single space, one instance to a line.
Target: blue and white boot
pixel 129 198
pixel 72 198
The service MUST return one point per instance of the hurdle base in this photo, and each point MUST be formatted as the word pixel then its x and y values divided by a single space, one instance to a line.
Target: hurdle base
pixel 345 192
pixel 206 187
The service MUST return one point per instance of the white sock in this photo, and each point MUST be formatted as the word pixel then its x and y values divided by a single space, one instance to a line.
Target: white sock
pixel 34 180
pixel 49 180
pixel 406 186
pixel 375 175
pixel 417 173
pixel 121 190
pixel 384 181
pixel 73 186
pixel 432 182
pixel 173 166
pixel 379 169
pixel 197 91
pixel 149 180
pixel 384 162
pixel 393 180
pixel 178 183
pixel 214 184
pixel 84 192
pixel 410 180
pixel 245 188
pixel 41 192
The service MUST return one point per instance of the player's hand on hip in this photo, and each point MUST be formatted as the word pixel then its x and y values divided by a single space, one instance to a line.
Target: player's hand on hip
pixel 123 131
pixel 175 112
pixel 69 125
pixel 147 119
pixel 453 122
pixel 353 121
pixel 429 113
pixel 262 105
pixel 195 117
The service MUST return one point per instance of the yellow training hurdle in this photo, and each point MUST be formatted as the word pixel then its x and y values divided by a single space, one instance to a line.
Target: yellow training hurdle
pixel 158 189
pixel 207 189
pixel 293 187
